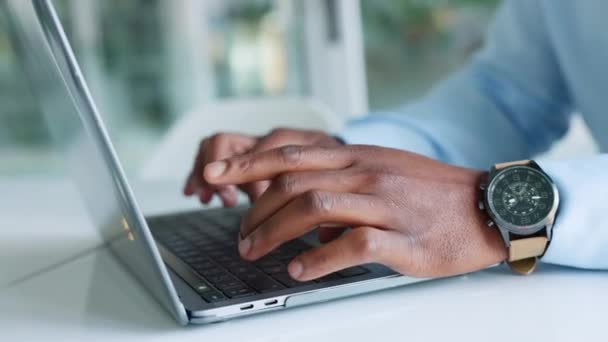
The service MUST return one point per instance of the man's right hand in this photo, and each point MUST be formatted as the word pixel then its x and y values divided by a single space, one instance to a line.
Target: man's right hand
pixel 225 145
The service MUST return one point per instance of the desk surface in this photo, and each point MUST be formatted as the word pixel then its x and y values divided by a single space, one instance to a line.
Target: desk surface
pixel 60 287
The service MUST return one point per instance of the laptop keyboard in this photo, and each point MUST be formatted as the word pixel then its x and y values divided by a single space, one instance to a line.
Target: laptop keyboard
pixel 207 243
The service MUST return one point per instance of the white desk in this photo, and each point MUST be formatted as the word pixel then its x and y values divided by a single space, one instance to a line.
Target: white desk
pixel 91 298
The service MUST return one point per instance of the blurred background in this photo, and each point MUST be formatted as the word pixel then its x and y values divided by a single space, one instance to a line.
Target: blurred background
pixel 165 73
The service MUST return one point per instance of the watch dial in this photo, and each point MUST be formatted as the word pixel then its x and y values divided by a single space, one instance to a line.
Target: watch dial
pixel 521 196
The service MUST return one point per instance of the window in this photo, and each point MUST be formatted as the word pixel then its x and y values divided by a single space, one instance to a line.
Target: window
pixel 149 61
pixel 411 44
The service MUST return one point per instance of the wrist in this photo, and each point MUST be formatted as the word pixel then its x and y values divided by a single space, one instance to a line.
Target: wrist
pixel 494 249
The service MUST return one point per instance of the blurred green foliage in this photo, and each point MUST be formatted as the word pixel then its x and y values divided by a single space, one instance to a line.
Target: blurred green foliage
pixel 412 44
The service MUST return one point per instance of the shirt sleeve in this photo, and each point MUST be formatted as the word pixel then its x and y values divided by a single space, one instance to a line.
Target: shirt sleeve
pixel 508 103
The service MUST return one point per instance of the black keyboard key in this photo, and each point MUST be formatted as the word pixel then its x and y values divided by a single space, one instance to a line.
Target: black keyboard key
pixel 352 271
pixel 206 267
pixel 288 281
pixel 213 296
pixel 226 259
pixel 220 278
pixel 216 253
pixel 197 259
pixel 262 283
pixel 242 270
pixel 230 284
pixel 187 253
pixel 208 293
pixel 234 264
pixel 239 292
pixel 230 222
pixel 266 262
pixel 274 269
pixel 202 288
pixel 213 271
pixel 329 277
pixel 284 255
pixel 204 243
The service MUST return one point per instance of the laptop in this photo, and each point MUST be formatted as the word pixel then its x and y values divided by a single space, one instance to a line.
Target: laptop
pixel 188 261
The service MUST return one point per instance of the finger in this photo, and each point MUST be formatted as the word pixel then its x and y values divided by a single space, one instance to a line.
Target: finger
pixel 287 136
pixel 308 211
pixel 189 187
pixel 255 190
pixel 266 165
pixel 192 183
pixel 360 246
pixel 290 185
pixel 229 196
pixel 205 195
pixel 217 147
pixel 221 146
pixel 277 138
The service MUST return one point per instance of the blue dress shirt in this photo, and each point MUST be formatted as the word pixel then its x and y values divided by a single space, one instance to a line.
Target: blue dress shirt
pixel 542 61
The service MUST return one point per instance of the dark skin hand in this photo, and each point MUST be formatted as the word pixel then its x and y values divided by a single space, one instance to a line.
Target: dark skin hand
pixel 408 212
pixel 225 145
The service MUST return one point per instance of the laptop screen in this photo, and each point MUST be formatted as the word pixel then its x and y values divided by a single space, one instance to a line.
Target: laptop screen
pixel 79 133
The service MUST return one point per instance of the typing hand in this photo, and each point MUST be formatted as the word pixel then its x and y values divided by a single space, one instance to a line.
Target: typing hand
pixel 225 145
pixel 410 213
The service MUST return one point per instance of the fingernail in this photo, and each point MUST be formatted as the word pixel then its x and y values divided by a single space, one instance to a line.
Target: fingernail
pixel 188 189
pixel 245 246
pixel 295 269
pixel 205 196
pixel 215 169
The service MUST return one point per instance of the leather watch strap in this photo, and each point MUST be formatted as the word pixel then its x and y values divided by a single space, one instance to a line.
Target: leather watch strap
pixel 527 248
pixel 504 165
pixel 523 253
pixel 523 266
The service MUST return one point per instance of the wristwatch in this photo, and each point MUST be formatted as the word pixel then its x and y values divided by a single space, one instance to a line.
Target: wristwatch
pixel 521 201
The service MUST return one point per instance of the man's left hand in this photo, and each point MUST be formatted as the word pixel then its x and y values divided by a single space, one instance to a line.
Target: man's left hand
pixel 408 212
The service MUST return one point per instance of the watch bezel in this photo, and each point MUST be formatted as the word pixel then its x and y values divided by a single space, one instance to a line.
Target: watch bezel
pixel 510 227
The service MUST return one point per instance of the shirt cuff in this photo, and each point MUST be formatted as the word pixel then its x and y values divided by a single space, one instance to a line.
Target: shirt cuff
pixel 580 232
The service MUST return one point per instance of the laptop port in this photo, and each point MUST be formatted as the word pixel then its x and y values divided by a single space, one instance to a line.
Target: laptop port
pixel 272 302
pixel 247 307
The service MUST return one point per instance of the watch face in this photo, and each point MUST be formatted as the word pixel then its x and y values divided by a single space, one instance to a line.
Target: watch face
pixel 521 196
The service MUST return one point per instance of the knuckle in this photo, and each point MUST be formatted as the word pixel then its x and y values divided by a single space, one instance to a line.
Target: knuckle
pixel 280 131
pixel 317 202
pixel 373 177
pixel 242 164
pixel 366 243
pixel 384 179
pixel 287 184
pixel 291 155
pixel 219 138
pixel 319 258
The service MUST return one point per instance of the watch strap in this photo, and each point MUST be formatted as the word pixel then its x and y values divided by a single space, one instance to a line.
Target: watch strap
pixel 530 247
pixel 523 266
pixel 508 164
pixel 524 253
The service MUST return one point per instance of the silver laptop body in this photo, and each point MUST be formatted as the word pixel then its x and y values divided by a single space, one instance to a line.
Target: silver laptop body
pixel 79 133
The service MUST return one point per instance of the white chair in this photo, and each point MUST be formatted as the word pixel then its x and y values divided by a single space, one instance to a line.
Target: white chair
pixel 174 155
